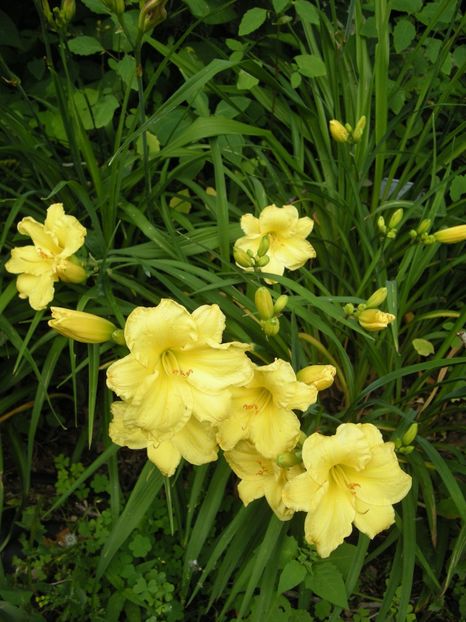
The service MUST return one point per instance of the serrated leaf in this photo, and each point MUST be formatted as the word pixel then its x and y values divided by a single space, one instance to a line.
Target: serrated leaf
pixel 252 20
pixel 406 6
pixel 307 12
pixel 458 187
pixel 403 35
pixel 310 66
pixel 327 582
pixel 423 347
pixel 292 575
pixel 85 45
pixel 246 81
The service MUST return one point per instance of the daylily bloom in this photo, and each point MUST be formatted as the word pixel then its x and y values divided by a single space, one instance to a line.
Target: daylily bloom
pixel 50 259
pixel 452 235
pixel 286 233
pixel 81 326
pixel 374 320
pixel 177 367
pixel 261 477
pixel 195 441
pixel 262 411
pixel 351 478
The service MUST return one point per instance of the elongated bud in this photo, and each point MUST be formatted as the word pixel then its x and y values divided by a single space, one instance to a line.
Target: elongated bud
pixel 262 261
pixel 118 337
pixel 116 6
pixel 47 13
pixel 271 327
pixel 374 320
pixel 359 129
pixel 152 13
pixel 321 376
pixel 410 434
pixel 452 235
pixel 287 459
pixel 396 218
pixel 264 303
pixel 424 226
pixel 338 131
pixel 377 298
pixel 263 246
pixel 71 271
pixel 381 224
pixel 81 326
pixel 242 258
pixel 68 9
pixel 280 304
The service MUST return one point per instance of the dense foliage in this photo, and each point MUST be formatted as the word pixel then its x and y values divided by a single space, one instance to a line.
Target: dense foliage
pixel 158 134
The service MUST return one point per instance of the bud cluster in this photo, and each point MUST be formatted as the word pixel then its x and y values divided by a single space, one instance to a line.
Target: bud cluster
pixel 269 311
pixel 404 445
pixel 390 230
pixel 367 313
pixel 345 133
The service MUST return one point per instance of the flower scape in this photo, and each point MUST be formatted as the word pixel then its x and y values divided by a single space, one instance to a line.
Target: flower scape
pixel 184 393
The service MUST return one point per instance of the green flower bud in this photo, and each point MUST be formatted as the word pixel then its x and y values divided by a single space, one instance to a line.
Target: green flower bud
pixel 410 434
pixel 287 459
pixel 242 258
pixel 406 450
pixel 396 218
pixel 381 224
pixel 424 226
pixel 263 246
pixel 338 131
pixel 377 298
pixel 280 304
pixel 271 327
pixel 349 308
pixel 262 261
pixel 118 337
pixel 264 303
pixel 359 129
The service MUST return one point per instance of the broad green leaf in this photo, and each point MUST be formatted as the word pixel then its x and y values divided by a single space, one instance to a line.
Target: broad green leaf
pixel 251 21
pixel 8 32
pixel 310 65
pixel 96 6
pixel 403 35
pixel 246 81
pixel 307 12
pixel 295 79
pixel 406 6
pixel 126 69
pixel 292 575
pixel 327 582
pixel 95 110
pixel 85 45
pixel 458 187
pixel 280 5
pixel 439 12
pixel 199 8
pixel 423 347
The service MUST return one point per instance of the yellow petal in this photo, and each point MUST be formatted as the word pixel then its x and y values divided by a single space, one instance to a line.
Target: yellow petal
pixel 125 434
pixel 30 260
pixel 274 431
pixel 196 442
pixel 66 230
pixel 212 407
pixel 382 482
pixel 39 289
pixel 292 253
pixel 250 224
pixel 304 227
pixel 233 429
pixel 214 368
pixel 279 379
pixel 280 220
pixel 165 456
pixel 247 462
pixel 347 447
pixel 210 323
pixel 150 331
pixel 372 519
pixel 303 493
pixel 249 243
pixel 331 521
pixel 129 379
pixel 42 238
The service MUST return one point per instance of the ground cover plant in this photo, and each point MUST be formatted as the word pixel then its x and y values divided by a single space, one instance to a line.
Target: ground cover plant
pixel 232 310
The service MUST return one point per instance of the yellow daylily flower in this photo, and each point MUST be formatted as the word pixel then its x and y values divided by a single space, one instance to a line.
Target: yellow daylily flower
pixel 286 232
pixel 351 478
pixel 262 410
pixel 50 259
pixel 374 320
pixel 81 326
pixel 338 131
pixel 261 477
pixel 452 235
pixel 321 376
pixel 177 367
pixel 195 441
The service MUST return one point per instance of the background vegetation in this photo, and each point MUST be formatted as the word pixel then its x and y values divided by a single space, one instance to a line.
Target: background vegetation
pixel 158 143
